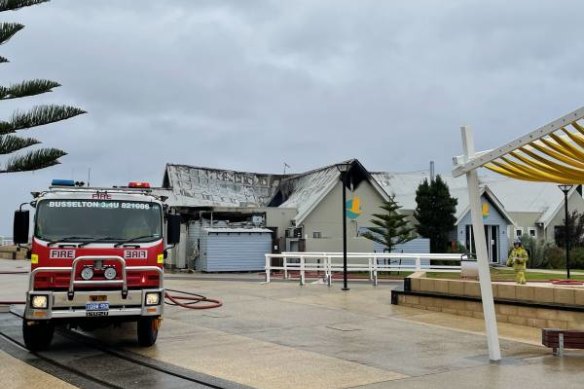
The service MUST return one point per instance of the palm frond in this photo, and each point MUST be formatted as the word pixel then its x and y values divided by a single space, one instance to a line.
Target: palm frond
pixel 27 88
pixel 34 160
pixel 38 116
pixel 13 5
pixel 7 31
pixel 11 143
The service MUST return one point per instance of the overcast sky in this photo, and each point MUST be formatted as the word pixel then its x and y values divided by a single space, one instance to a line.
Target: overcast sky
pixel 250 84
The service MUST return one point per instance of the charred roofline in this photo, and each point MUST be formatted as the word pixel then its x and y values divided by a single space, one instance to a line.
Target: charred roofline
pixel 286 182
pixel 226 170
pixel 355 175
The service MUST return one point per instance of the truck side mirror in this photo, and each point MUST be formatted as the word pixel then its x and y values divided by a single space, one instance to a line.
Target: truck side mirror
pixel 21 225
pixel 173 229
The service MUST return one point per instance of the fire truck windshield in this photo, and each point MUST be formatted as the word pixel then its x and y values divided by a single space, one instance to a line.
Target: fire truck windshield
pixel 89 221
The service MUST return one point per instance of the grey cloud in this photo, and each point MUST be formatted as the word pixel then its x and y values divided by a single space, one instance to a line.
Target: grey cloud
pixel 247 85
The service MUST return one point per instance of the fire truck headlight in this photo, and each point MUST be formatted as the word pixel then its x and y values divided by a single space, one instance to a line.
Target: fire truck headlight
pixel 39 301
pixel 87 273
pixel 152 298
pixel 110 273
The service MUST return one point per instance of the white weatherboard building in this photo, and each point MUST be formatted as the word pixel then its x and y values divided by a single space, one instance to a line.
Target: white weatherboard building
pixel 537 208
pixel 511 208
pixel 228 215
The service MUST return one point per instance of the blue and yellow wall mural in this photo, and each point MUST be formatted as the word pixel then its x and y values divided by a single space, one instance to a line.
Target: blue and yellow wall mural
pixel 485 210
pixel 353 207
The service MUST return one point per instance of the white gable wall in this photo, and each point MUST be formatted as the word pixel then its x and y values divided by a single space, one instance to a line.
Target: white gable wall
pixel 326 219
pixel 575 202
pixel 526 221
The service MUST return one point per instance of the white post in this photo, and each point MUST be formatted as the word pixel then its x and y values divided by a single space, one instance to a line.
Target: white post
pixel 329 271
pixel 268 263
pixel 302 280
pixel 285 264
pixel 481 249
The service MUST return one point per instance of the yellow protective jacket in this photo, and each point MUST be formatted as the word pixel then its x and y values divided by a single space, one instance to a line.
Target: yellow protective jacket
pixel 518 258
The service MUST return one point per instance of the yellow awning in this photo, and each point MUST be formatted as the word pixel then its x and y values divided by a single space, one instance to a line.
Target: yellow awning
pixel 552 153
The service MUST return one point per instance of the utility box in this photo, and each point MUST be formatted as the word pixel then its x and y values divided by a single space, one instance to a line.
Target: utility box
pixel 469 268
pixel 233 249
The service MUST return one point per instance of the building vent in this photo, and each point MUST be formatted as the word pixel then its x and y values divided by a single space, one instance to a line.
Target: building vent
pixel 298 232
pixel 257 220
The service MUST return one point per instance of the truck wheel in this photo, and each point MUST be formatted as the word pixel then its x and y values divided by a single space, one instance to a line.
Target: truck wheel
pixel 148 331
pixel 37 335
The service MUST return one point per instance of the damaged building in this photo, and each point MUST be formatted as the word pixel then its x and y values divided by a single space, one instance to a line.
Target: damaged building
pixel 231 219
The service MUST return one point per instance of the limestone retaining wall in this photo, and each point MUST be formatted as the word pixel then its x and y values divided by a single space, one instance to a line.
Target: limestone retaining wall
pixel 530 305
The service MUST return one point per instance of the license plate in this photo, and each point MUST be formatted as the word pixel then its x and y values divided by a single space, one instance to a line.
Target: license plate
pixel 96 313
pixel 97 306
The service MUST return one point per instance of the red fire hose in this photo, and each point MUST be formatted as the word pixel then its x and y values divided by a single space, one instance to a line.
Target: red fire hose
pixel 192 299
pixel 184 299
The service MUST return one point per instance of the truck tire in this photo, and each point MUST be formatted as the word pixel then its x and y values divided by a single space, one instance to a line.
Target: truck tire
pixel 37 335
pixel 147 330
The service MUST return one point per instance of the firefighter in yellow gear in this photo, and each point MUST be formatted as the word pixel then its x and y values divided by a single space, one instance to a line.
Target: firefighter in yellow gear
pixel 518 259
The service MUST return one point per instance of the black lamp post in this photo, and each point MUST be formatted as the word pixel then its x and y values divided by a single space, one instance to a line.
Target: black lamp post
pixel 344 168
pixel 566 188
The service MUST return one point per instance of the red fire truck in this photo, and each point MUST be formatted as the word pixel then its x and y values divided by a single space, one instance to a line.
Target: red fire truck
pixel 97 258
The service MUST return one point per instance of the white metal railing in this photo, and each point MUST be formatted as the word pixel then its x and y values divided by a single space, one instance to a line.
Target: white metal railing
pixel 6 241
pixel 372 263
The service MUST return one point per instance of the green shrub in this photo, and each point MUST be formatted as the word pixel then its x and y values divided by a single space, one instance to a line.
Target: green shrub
pixel 577 258
pixel 555 257
pixel 536 250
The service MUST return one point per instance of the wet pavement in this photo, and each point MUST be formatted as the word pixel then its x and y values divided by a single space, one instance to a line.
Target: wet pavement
pixel 282 335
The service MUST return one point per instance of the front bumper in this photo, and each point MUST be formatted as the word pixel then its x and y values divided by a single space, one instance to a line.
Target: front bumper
pixel 59 306
pixel 73 303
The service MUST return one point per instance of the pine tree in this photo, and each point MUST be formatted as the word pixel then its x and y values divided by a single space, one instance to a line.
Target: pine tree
pixel 392 228
pixel 435 213
pixel 37 116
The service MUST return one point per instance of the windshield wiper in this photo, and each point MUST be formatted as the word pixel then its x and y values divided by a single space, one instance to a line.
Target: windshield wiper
pixel 134 239
pixel 85 243
pixel 68 239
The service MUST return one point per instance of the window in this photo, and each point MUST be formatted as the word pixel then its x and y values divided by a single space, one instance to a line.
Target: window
pixel 532 232
pixel 317 234
pixel 518 232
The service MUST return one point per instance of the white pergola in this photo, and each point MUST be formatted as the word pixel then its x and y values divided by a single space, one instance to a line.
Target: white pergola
pixel 552 153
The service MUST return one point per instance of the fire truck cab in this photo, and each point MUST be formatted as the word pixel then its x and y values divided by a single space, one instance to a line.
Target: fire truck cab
pixel 97 259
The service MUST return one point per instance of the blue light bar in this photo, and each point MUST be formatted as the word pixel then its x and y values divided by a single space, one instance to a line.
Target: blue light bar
pixel 61 182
